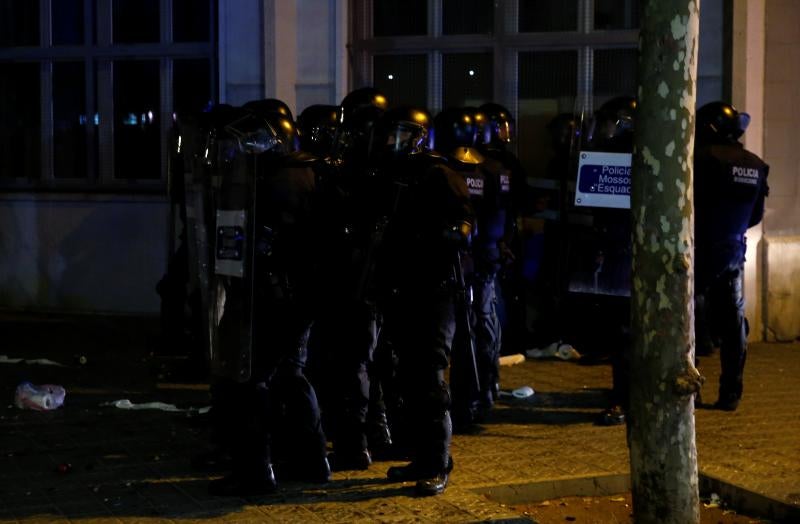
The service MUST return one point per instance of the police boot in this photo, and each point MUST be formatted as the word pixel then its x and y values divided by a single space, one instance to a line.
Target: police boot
pixel 238 484
pixel 728 400
pixel 414 471
pixel 434 485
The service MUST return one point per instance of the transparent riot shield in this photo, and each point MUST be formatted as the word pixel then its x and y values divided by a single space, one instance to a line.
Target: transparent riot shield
pixel 232 279
pixel 597 208
pixel 195 140
pixel 232 282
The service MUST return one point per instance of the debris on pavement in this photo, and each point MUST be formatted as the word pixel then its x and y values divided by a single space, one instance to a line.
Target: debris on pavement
pixel 554 350
pixel 45 397
pixel 714 501
pixel 521 392
pixel 162 406
pixel 5 359
pixel 511 360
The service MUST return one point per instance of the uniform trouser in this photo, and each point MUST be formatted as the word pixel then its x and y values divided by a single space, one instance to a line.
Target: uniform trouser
pixel 724 301
pixel 348 335
pixel 276 409
pixel 486 333
pixel 423 329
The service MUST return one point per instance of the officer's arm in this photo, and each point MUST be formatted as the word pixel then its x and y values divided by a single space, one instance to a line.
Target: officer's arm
pixel 758 208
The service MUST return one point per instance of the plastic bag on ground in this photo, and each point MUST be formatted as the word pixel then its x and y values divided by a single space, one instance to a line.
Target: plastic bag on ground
pixel 45 397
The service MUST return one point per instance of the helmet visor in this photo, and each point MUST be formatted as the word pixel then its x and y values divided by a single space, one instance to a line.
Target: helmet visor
pixel 406 138
pixel 505 131
pixel 254 134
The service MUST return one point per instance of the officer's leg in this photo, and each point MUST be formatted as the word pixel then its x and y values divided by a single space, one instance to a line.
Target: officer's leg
pixel 422 363
pixel 385 366
pixel 732 328
pixel 222 420
pixel 487 339
pixel 359 337
pixel 704 344
pixel 252 466
pixel 618 343
pixel 380 370
pixel 300 431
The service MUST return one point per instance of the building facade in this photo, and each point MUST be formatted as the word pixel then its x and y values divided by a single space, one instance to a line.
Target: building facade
pixel 89 88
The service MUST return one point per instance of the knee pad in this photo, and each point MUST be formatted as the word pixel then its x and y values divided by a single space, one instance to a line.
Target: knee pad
pixel 436 401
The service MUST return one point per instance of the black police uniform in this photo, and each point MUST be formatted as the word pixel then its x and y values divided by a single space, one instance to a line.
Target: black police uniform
pixel 489 249
pixel 480 271
pixel 346 332
pixel 432 214
pixel 347 327
pixel 276 413
pixel 730 184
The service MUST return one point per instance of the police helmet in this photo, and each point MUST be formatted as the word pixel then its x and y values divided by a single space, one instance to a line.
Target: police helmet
pixel 481 125
pixel 720 121
pixel 362 98
pixel 401 131
pixel 454 127
pixel 499 126
pixel 613 125
pixel 269 105
pixel 316 126
pixel 257 132
pixel 353 136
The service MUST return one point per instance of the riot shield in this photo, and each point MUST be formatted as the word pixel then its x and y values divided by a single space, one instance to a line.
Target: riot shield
pixel 196 138
pixel 598 250
pixel 220 196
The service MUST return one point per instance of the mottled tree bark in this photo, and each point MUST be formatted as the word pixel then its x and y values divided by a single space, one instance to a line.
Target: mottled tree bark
pixel 661 428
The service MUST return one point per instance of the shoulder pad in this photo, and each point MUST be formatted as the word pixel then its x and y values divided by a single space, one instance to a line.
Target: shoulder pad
pixel 468 155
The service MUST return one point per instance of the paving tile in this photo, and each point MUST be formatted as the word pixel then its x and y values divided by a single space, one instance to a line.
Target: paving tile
pixel 133 466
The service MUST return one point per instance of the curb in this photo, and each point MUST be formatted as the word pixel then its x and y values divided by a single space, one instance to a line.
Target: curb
pixel 744 500
pixel 738 498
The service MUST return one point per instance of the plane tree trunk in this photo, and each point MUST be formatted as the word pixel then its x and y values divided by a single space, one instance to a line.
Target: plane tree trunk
pixel 661 425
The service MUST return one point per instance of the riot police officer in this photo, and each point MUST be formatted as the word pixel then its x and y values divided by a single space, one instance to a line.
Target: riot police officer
pixel 599 281
pixel 507 179
pixel 730 185
pixel 456 131
pixel 429 218
pixel 347 329
pixel 264 261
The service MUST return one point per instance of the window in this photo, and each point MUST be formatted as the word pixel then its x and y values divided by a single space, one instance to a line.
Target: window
pixel 466 79
pixel 88 88
pixel 403 78
pixel 539 58
pixel 465 17
pixel 537 16
pixel 409 17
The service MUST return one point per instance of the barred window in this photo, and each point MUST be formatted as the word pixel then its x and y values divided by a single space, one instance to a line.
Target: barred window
pixel 88 88
pixel 539 58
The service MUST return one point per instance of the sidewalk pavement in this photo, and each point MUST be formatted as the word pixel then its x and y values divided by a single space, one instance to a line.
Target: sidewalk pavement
pixel 133 466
